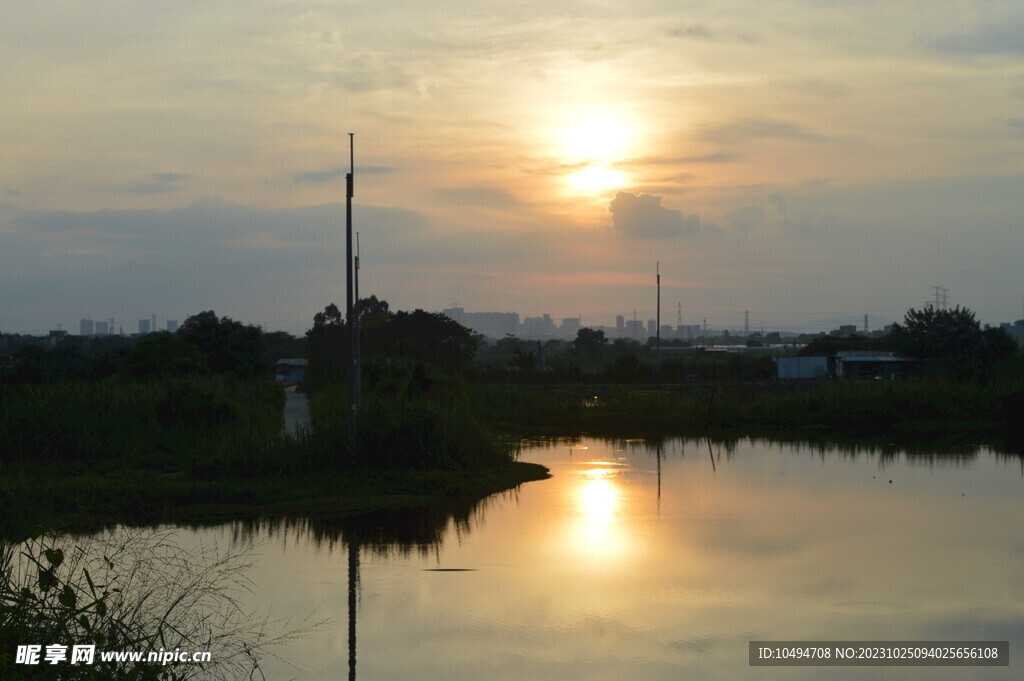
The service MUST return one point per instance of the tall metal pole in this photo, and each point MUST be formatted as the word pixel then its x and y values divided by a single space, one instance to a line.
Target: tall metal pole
pixel 358 362
pixel 657 270
pixel 353 396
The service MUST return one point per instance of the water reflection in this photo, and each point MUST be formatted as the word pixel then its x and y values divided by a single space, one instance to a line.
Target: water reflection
pixel 643 558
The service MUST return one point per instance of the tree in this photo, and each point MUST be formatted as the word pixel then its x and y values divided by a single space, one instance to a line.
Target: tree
pixel 956 338
pixel 163 354
pixel 425 336
pixel 229 346
pixel 590 341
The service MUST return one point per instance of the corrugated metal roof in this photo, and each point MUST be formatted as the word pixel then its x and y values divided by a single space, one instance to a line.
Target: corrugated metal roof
pixel 293 362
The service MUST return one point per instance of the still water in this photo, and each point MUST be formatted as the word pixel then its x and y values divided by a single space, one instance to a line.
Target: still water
pixel 651 561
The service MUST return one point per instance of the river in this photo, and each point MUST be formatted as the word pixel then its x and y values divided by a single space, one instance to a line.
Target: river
pixel 652 561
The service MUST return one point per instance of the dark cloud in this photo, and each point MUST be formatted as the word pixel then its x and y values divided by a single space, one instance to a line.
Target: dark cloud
pixel 642 215
pixel 169 177
pixel 697 31
pixel 745 218
pixel 324 176
pixel 318 176
pixel 162 183
pixel 13 192
pixel 149 188
pixel 798 219
pixel 488 197
pixel 1005 37
pixel 762 128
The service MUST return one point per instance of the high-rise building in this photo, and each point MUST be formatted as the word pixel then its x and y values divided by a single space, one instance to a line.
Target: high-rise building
pixel 101 328
pixel 86 327
pixel 143 326
pixel 570 327
pixel 172 325
pixel 652 327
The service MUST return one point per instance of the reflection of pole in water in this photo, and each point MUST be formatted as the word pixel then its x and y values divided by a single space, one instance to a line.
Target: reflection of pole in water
pixel 712 455
pixel 353 590
pixel 658 452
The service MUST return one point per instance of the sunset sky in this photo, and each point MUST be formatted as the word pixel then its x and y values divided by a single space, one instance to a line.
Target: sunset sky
pixel 802 159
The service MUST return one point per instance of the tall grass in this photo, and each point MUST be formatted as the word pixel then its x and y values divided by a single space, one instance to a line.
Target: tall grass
pixel 129 591
pixel 435 430
pixel 139 421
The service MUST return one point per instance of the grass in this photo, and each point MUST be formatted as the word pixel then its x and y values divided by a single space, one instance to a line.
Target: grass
pixel 201 448
pixel 128 591
pixel 885 410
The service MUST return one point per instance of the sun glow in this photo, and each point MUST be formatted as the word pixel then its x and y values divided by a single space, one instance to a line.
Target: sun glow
pixel 596 177
pixel 595 139
pixel 592 146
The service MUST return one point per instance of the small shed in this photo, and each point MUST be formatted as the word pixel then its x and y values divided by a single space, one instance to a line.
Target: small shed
pixel 871 364
pixel 290 369
pixel 801 367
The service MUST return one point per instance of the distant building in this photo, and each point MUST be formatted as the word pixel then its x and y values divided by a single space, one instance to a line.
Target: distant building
pixel 101 328
pixel 86 327
pixel 847 330
pixel 570 326
pixel 652 327
pixel 1015 330
pixel 290 369
pixel 620 326
pixel 869 364
pixel 634 328
pixel 490 324
pixel 143 326
pixel 172 325
pixel 539 328
pixel 55 337
pixel 801 367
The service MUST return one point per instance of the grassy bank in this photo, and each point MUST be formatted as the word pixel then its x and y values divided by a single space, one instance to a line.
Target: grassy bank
pixel 203 448
pixel 872 410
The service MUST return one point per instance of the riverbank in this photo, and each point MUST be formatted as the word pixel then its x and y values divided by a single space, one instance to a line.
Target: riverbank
pixel 868 411
pixel 77 498
pixel 201 449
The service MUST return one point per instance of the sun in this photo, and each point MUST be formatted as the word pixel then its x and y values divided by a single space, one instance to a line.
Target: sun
pixel 595 139
pixel 592 146
pixel 596 177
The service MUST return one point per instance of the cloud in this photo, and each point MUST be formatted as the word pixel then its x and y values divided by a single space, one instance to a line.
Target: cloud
pixel 800 219
pixel 324 176
pixel 1005 37
pixel 642 215
pixel 488 197
pixel 745 218
pixel 169 177
pixel 149 188
pixel 318 176
pixel 13 192
pixel 162 183
pixel 698 31
pixel 762 128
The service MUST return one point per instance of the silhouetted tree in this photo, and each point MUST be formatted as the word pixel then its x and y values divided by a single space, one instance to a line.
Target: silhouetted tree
pixel 589 340
pixel 229 346
pixel 163 354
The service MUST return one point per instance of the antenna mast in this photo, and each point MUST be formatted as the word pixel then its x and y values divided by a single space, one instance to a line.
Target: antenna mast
pixel 350 317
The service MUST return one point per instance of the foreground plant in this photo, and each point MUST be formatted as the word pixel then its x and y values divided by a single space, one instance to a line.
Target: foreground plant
pixel 131 590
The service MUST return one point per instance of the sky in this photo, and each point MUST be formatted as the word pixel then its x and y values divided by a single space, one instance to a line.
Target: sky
pixel 805 160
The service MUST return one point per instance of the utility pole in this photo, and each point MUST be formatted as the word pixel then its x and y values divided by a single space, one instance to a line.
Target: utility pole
pixel 657 335
pixel 746 323
pixel 353 390
pixel 358 361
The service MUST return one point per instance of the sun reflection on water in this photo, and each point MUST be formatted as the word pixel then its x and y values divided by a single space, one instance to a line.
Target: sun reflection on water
pixel 597 531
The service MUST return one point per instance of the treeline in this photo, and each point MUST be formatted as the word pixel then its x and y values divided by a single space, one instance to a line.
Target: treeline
pixel 203 345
